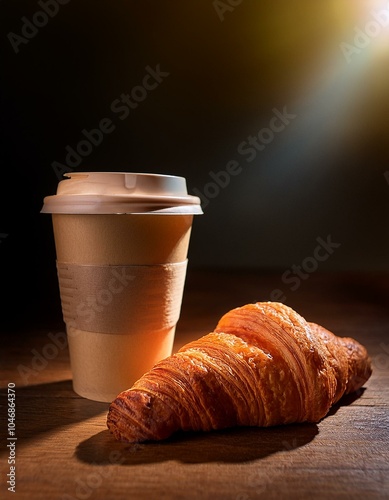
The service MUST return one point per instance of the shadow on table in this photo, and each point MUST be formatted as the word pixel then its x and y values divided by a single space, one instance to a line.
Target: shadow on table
pixel 346 400
pixel 231 446
pixel 43 408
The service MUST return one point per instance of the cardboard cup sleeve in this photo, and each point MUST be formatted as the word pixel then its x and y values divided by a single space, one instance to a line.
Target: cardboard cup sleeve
pixel 115 299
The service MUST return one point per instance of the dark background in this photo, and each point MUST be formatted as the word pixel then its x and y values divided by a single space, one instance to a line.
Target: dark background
pixel 230 65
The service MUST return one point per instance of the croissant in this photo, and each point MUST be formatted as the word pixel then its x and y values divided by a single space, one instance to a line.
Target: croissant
pixel 263 365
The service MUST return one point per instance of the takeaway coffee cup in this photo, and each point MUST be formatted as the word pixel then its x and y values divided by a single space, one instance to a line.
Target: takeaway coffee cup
pixel 121 244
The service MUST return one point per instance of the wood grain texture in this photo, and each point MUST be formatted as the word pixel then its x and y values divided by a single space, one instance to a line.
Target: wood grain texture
pixel 64 450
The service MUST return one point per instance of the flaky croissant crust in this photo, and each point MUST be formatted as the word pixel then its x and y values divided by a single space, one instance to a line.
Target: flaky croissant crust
pixel 263 365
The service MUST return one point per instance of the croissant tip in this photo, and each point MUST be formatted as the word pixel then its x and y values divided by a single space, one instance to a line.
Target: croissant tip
pixel 137 416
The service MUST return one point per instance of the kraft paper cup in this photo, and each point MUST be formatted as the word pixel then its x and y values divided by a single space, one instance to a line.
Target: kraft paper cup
pixel 121 262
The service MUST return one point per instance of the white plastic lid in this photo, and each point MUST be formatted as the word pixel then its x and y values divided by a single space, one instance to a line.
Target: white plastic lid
pixel 121 193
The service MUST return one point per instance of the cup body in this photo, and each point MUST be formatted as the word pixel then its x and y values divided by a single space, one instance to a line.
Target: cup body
pixel 118 264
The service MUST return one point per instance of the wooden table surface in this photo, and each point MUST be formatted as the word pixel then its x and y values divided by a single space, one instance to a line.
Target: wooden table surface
pixel 64 451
